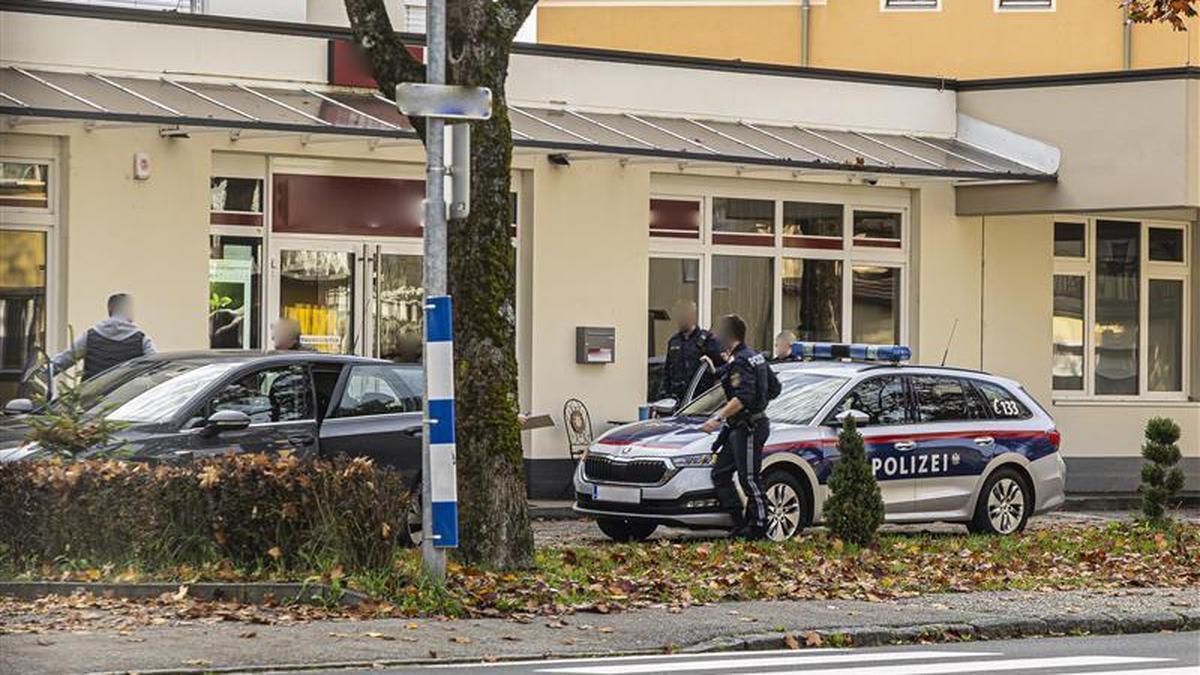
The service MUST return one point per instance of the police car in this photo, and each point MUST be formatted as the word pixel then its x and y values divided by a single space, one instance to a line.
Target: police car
pixel 946 444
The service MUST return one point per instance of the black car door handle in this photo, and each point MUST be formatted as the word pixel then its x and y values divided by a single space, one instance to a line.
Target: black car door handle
pixel 413 431
pixel 302 439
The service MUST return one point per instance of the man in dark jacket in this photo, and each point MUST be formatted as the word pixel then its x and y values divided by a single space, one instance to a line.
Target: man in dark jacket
pixel 685 351
pixel 110 342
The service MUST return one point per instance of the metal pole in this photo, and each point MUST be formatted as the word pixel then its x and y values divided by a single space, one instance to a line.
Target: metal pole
pixel 1126 37
pixel 433 559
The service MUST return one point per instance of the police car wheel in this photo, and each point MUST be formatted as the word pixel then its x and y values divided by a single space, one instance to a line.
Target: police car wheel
pixel 625 529
pixel 1004 504
pixel 787 505
pixel 412 517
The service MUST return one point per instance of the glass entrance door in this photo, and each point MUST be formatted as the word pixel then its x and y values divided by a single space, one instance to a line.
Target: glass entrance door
pixel 350 297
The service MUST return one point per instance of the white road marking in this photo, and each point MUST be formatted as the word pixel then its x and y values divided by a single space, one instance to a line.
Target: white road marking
pixel 1185 670
pixel 791 659
pixel 630 657
pixel 982 666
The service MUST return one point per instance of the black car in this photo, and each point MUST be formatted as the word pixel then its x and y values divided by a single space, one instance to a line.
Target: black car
pixel 176 407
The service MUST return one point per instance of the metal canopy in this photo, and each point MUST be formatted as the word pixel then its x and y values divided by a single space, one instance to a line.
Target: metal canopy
pixel 169 101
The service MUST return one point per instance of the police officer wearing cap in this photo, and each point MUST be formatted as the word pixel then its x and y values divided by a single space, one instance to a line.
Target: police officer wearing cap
pixel 749 385
pixel 685 352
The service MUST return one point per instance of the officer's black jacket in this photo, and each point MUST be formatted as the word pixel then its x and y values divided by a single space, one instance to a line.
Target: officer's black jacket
pixel 745 378
pixel 683 359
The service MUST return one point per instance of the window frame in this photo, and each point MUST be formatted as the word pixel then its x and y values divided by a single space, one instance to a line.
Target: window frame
pixel 1025 6
pixel 850 255
pixel 910 6
pixel 1148 270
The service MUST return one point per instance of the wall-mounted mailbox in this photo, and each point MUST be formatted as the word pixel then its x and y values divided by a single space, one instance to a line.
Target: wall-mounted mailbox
pixel 595 344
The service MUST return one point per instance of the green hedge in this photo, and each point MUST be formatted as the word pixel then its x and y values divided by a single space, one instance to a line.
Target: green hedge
pixel 251 510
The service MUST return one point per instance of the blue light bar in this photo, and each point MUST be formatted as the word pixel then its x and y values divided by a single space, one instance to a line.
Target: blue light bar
pixel 828 351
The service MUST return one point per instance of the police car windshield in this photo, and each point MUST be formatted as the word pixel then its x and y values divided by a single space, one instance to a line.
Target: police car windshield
pixel 802 397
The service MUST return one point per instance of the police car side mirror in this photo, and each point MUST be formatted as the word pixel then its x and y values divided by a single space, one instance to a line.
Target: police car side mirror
pixel 664 407
pixel 860 417
pixel 18 406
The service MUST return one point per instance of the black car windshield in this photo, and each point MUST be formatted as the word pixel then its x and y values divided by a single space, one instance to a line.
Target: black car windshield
pixel 147 391
pixel 802 396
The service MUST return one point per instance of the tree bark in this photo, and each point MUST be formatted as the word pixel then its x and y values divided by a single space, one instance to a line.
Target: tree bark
pixel 494 519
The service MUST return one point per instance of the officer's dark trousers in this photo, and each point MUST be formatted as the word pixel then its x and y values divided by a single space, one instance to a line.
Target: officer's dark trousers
pixel 742 452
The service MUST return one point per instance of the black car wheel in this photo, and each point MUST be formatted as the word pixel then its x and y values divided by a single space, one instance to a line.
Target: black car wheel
pixel 412 517
pixel 1004 504
pixel 787 505
pixel 625 529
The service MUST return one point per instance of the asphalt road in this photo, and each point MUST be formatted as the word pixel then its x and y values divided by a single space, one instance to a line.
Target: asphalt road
pixel 1153 654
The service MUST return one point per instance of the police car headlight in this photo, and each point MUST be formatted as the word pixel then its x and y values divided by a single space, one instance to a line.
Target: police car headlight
pixel 704 459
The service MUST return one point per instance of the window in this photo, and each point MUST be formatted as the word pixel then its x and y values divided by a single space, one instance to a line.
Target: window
pixel 1069 321
pixel 944 399
pixel 671 280
pixel 24 185
pixel 281 394
pixel 234 292
pixel 1002 403
pixel 22 305
pixel 738 284
pixel 1070 240
pixel 876 305
pixel 1121 305
pixel 376 390
pixel 743 221
pixel 812 298
pixel 881 398
pixel 1018 5
pixel 781 264
pixel 911 4
pixel 236 195
pixel 877 228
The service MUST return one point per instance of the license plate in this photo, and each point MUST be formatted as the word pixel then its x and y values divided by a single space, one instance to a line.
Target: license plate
pixel 616 493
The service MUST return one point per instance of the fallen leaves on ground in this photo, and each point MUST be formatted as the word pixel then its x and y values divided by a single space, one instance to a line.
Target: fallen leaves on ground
pixel 674 575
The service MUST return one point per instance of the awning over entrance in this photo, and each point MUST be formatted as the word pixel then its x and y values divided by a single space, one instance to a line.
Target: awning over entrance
pixel 979 152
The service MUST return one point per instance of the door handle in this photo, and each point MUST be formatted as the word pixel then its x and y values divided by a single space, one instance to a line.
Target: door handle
pixel 905 446
pixel 413 431
pixel 985 441
pixel 302 439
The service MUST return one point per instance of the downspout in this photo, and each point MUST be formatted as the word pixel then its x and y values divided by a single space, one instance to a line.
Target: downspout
pixel 1126 38
pixel 805 7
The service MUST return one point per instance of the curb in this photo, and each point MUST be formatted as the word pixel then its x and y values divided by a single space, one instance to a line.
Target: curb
pixel 999 628
pixel 245 593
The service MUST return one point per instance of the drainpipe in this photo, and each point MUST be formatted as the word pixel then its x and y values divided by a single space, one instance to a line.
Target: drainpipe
pixel 805 7
pixel 1126 38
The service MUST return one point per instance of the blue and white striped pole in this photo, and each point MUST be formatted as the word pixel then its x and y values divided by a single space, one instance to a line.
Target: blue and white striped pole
pixel 442 505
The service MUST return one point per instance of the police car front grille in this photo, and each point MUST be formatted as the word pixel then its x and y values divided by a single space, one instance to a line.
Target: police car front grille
pixel 645 471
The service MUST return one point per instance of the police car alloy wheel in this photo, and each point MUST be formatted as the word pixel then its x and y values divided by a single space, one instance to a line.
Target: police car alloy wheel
pixel 787 506
pixel 626 529
pixel 1004 504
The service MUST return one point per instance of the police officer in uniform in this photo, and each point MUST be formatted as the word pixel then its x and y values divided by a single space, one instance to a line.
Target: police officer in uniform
pixel 685 350
pixel 749 385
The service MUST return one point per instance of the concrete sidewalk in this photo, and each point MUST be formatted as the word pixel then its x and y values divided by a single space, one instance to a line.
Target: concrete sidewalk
pixel 197 647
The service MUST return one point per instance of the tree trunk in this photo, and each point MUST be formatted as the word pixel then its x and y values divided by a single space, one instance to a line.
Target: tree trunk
pixel 494 519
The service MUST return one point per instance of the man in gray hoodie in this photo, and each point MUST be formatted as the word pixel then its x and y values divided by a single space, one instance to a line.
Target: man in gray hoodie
pixel 110 342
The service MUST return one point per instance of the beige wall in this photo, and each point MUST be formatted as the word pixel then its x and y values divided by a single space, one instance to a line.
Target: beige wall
pixel 948 259
pixel 1125 145
pixel 589 258
pixel 962 40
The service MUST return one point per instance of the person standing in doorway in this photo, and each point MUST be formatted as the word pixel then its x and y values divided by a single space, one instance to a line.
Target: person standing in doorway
pixel 749 385
pixel 685 352
pixel 110 342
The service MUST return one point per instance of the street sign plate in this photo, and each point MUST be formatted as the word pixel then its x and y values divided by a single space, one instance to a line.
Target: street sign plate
pixel 444 101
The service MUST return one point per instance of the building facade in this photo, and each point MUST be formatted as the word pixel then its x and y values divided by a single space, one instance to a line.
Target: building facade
pixel 1002 225
pixel 935 38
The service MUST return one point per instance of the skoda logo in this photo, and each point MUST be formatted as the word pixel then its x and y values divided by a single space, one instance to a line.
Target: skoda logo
pixel 625 450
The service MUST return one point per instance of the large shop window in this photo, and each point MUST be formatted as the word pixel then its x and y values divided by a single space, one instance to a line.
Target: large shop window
pixel 825 271
pixel 235 263
pixel 22 305
pixel 1120 323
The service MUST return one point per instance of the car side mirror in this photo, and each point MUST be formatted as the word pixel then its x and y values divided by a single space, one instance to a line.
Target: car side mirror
pixel 226 420
pixel 664 407
pixel 18 406
pixel 860 418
